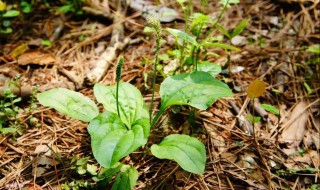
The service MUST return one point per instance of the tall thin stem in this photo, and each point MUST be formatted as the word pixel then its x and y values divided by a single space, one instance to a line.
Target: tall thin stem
pixel 156 118
pixel 154 77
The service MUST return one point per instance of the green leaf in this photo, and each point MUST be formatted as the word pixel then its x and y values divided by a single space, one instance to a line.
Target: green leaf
pixel 314 49
pixel 73 104
pixel 253 119
pixel 209 67
pixel 126 179
pixel 46 43
pixel 199 19
pixel 111 140
pixel 182 35
pixel 6 31
pixel 241 26
pixel 223 46
pixel 16 100
pixel 66 9
pixel 164 57
pixel 6 23
pixel 11 13
pixel 8 130
pixel 107 173
pixel 81 170
pixel 131 104
pixel 148 30
pixel 82 161
pixel 270 108
pixel 198 89
pixel 308 88
pixel 222 30
pixel 187 151
pixel 92 169
pixel 26 7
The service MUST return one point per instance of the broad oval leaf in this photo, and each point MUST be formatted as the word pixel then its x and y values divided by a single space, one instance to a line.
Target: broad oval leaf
pixel 187 151
pixel 198 89
pixel 73 104
pixel 111 140
pixel 11 13
pixel 209 67
pixel 256 88
pixel 219 45
pixel 131 104
pixel 126 179
pixel 182 35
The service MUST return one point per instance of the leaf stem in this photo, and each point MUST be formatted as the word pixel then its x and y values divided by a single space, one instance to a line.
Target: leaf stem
pixel 154 76
pixel 156 118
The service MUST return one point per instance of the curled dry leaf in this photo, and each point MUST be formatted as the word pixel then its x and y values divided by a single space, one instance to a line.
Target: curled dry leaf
pixel 295 127
pixel 36 57
pixel 229 157
pixel 43 164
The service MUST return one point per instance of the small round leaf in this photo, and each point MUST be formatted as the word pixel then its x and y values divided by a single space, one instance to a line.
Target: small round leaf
pixel 256 88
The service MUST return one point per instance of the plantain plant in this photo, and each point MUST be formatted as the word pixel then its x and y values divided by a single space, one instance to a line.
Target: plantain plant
pixel 125 124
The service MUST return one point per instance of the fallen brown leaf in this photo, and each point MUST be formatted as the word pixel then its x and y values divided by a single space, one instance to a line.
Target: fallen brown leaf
pixel 36 57
pixel 294 132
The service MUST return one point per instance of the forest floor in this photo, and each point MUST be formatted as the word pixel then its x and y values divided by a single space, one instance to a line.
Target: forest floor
pixel 278 46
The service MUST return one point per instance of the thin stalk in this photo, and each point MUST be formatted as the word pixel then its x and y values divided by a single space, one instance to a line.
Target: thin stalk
pixel 156 118
pixel 197 57
pixel 186 11
pixel 279 116
pixel 222 12
pixel 219 18
pixel 194 48
pixel 117 98
pixel 154 77
pixel 254 131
